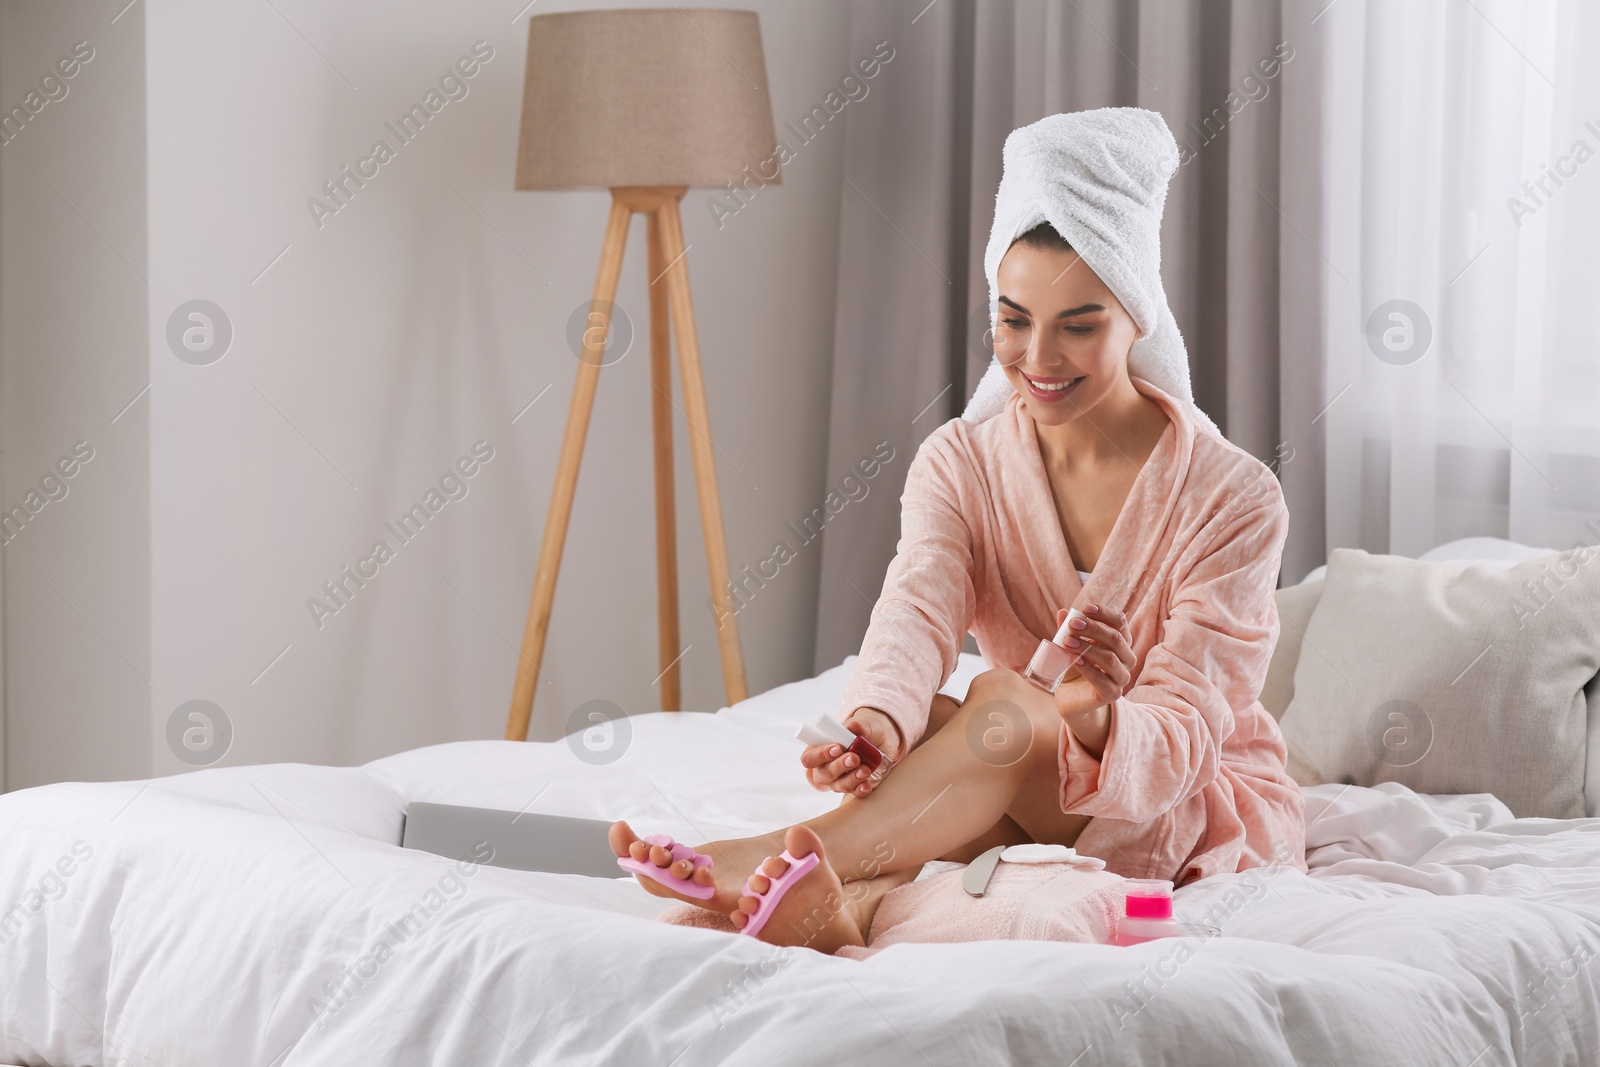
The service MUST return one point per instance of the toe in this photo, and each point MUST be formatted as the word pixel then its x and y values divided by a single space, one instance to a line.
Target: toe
pixel 738 918
pixel 801 841
pixel 758 883
pixel 659 856
pixel 622 839
pixel 774 866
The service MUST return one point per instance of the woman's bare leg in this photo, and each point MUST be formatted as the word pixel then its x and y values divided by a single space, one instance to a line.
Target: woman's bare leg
pixel 950 791
pixel 994 764
pixel 994 759
pixel 1005 831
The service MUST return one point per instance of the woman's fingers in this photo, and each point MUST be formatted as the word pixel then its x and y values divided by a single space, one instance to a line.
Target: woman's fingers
pixel 1103 660
pixel 828 773
pixel 1096 633
pixel 817 755
pixel 1106 614
pixel 849 775
pixel 1092 673
pixel 1105 672
pixel 846 783
pixel 1113 641
pixel 1100 651
pixel 1106 627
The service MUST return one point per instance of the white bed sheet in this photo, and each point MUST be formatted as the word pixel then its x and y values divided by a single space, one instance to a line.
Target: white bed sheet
pixel 211 908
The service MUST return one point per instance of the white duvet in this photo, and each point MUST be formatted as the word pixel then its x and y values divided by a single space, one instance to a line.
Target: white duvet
pixel 203 919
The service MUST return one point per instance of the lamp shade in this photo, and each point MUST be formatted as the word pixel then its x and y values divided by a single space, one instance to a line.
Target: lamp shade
pixel 660 96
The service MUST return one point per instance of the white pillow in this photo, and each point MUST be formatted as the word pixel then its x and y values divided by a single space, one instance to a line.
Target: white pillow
pixel 1470 551
pixel 1379 701
pixel 1591 776
pixel 1498 552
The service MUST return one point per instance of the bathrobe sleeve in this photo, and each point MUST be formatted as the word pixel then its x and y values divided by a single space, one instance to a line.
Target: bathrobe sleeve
pixel 1167 731
pixel 913 641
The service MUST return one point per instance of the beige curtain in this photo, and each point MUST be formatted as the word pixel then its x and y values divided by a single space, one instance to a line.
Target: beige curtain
pixel 1238 81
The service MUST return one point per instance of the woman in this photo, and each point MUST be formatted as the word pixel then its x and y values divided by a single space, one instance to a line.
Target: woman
pixel 1154 753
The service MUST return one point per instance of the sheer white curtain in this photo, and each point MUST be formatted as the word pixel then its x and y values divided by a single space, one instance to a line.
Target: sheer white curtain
pixel 1462 141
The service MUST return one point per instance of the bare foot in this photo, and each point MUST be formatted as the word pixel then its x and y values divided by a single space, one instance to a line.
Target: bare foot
pixel 732 863
pixel 814 912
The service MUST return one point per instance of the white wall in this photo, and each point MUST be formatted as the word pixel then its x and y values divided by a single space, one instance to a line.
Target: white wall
pixel 72 357
pixel 376 350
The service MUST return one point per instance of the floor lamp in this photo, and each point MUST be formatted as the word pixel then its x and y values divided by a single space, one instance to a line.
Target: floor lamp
pixel 645 103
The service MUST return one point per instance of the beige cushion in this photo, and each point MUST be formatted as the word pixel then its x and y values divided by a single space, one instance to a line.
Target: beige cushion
pixel 1449 678
pixel 1295 605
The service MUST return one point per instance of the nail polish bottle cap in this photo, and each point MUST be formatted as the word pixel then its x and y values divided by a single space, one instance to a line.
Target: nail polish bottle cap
pixel 1063 633
pixel 826 731
pixel 812 736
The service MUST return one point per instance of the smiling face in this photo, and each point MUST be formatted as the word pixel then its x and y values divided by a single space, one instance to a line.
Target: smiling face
pixel 1060 326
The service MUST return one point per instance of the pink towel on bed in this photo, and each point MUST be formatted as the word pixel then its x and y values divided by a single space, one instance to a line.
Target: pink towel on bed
pixel 1023 902
pixel 1192 781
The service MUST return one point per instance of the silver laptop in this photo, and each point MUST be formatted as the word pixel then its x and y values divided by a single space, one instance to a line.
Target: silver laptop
pixel 522 841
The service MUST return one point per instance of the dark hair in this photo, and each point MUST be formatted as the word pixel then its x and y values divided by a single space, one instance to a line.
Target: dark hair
pixel 1044 236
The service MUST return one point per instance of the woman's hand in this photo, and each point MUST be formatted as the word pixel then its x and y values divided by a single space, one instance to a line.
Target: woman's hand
pixel 1104 663
pixel 831 767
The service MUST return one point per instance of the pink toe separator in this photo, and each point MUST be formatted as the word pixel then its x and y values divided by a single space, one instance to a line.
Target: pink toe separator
pixel 780 885
pixel 686 886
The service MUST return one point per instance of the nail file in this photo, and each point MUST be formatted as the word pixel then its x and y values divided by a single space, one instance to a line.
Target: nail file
pixel 975 879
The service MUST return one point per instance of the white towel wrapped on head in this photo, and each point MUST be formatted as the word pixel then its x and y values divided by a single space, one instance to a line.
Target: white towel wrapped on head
pixel 1100 179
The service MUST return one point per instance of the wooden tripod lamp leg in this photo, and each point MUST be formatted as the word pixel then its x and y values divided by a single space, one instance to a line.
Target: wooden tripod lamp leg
pixel 661 418
pixel 670 306
pixel 705 469
pixel 566 483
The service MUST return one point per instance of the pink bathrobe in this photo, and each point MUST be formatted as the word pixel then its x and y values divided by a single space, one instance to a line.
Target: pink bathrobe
pixel 1192 781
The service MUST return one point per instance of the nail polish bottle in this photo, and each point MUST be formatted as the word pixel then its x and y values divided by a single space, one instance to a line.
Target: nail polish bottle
pixel 1051 659
pixel 830 731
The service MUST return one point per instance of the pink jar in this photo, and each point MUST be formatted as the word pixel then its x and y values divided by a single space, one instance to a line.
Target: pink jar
pixel 1147 914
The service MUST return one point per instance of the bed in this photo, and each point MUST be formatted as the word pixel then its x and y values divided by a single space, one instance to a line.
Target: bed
pixel 196 920
pixel 266 915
